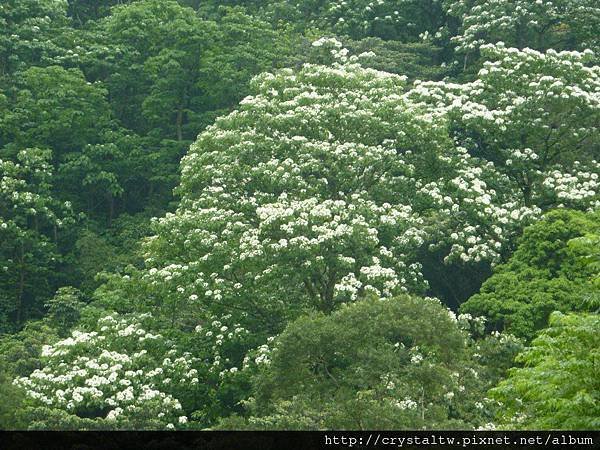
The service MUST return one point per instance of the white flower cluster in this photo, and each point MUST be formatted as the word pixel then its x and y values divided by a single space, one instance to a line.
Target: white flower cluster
pixel 327 42
pixel 261 355
pixel 407 403
pixel 553 107
pixel 116 374
pixel 221 335
pixel 574 187
pixel 508 20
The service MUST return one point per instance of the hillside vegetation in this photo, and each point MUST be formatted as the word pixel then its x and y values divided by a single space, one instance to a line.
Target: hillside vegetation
pixel 359 214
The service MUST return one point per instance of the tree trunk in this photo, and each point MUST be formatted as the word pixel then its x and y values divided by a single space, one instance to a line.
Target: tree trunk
pixel 180 123
pixel 111 208
pixel 21 285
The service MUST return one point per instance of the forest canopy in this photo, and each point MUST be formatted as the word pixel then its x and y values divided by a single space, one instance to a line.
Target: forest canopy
pixel 299 215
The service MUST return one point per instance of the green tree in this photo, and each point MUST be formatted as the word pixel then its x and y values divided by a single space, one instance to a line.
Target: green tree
pixel 20 354
pixel 399 363
pixel 589 247
pixel 56 108
pixel 399 20
pixel 245 46
pixel 169 73
pixel 30 220
pixel 558 386
pixel 28 33
pixel 83 11
pixel 545 274
pixel 64 309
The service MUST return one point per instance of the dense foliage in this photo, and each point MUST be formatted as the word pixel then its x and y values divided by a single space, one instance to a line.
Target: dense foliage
pixel 558 387
pixel 417 368
pixel 544 274
pixel 299 214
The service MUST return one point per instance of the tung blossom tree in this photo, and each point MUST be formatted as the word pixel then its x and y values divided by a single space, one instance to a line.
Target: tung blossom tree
pixel 306 174
pixel 331 181
pixel 538 24
pixel 118 375
pixel 528 116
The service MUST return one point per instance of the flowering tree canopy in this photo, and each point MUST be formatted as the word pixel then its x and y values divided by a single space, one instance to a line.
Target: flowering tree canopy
pixel 539 24
pixel 28 32
pixel 533 118
pixel 117 376
pixel 307 174
pixel 327 181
